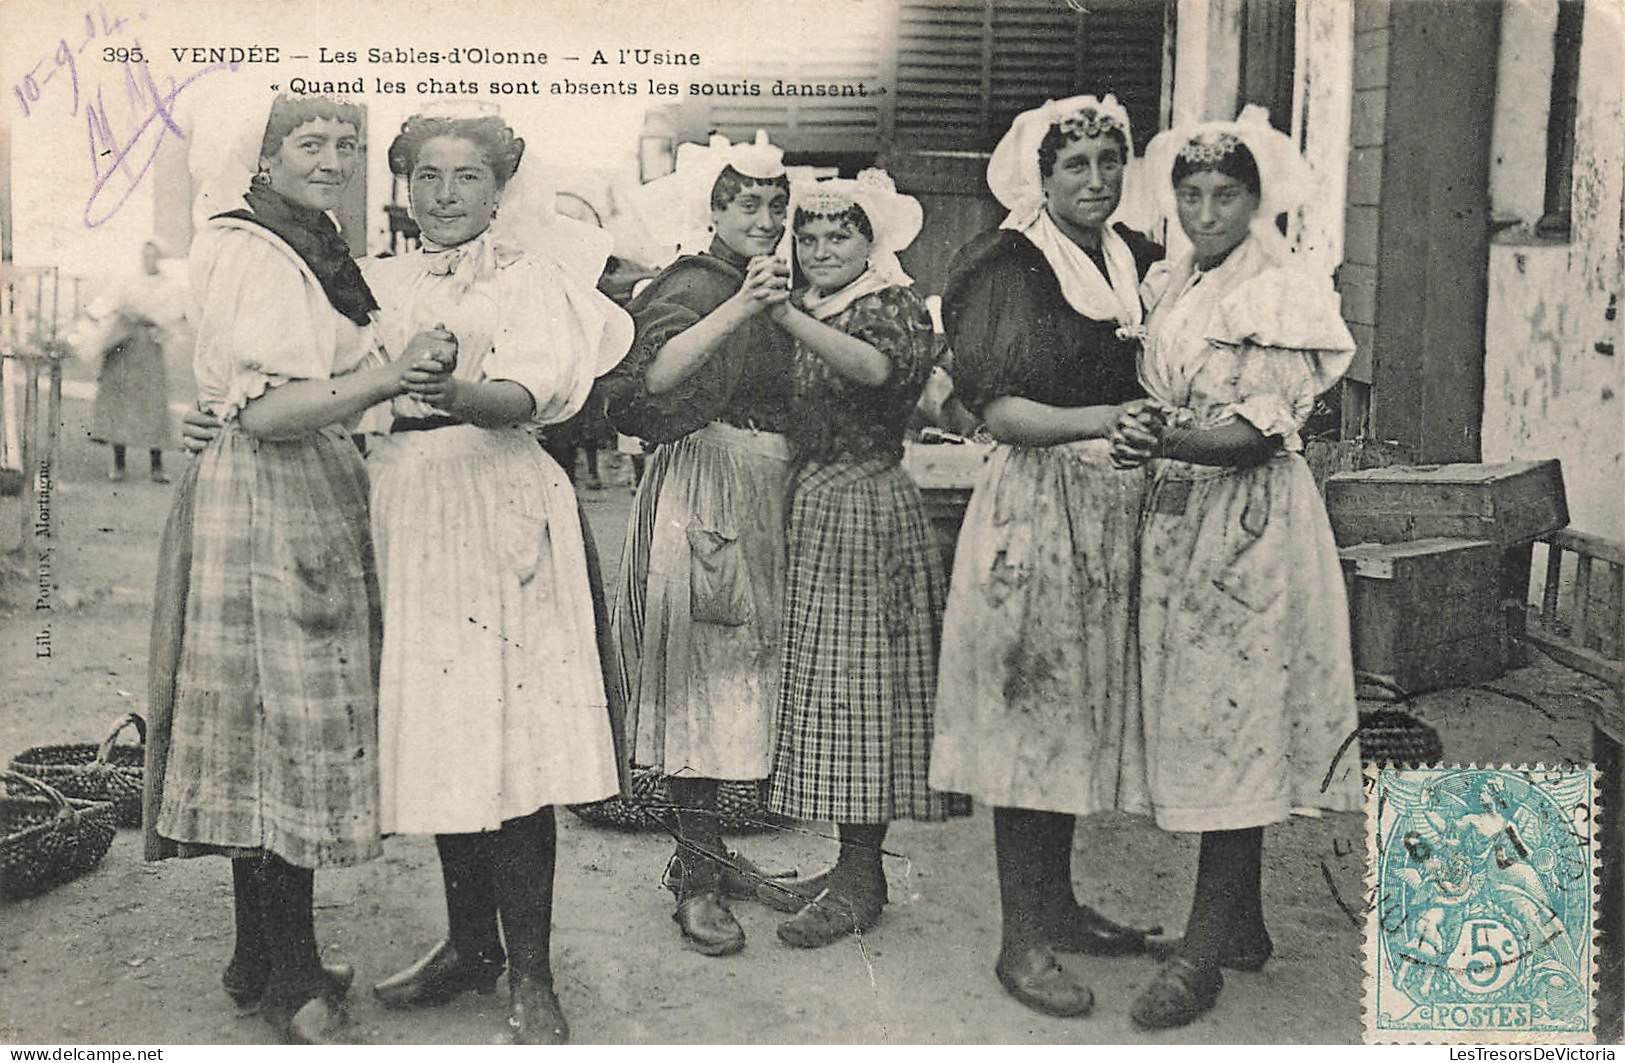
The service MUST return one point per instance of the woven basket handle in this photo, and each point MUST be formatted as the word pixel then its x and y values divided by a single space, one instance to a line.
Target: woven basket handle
pixel 118 726
pixel 52 794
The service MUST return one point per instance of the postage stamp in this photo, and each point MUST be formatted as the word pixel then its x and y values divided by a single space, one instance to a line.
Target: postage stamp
pixel 1481 884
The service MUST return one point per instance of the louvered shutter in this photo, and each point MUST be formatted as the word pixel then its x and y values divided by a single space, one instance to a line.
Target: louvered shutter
pixel 965 68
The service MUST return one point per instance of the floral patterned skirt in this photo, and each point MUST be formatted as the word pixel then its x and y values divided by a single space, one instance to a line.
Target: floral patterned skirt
pixel 1246 669
pixel 862 616
pixel 1037 695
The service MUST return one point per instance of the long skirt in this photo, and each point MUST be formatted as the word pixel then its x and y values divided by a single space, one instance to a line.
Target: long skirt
pixel 862 618
pixel 1037 692
pixel 1246 669
pixel 132 395
pixel 703 574
pixel 272 740
pixel 491 699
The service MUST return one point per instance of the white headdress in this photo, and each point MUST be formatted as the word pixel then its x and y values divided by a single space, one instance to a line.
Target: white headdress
pixel 895 218
pixel 678 205
pixel 1285 178
pixel 1013 174
pixel 227 131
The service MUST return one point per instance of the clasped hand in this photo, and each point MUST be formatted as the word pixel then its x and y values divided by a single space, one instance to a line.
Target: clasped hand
pixel 767 284
pixel 427 364
pixel 1137 433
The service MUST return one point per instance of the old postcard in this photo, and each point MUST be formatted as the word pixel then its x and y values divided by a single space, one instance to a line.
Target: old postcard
pixel 811 521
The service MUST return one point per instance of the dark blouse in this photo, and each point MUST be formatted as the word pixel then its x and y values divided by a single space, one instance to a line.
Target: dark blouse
pixel 839 419
pixel 746 381
pixel 1013 332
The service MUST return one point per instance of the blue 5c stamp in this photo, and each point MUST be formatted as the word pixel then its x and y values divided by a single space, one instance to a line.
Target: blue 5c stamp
pixel 1480 927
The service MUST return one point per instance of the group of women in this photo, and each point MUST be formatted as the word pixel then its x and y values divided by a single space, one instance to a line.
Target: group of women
pixel 1145 613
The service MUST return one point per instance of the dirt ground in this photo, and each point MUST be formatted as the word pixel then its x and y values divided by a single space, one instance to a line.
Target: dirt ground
pixel 132 953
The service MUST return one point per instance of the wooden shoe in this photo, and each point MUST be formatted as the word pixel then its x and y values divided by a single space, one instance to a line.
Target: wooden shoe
pixel 1089 932
pixel 741 879
pixel 1182 992
pixel 829 917
pixel 317 1021
pixel 1038 980
pixel 246 985
pixel 438 977
pixel 707 925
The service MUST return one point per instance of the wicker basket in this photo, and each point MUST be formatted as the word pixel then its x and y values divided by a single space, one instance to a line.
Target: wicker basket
pixel 46 841
pixel 1395 737
pixel 92 773
pixel 741 806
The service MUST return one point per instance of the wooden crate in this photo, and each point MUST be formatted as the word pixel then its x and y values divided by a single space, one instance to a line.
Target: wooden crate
pixel 1505 503
pixel 945 474
pixel 1425 614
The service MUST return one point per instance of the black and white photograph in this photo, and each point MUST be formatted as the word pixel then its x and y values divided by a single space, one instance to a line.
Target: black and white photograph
pixel 811 522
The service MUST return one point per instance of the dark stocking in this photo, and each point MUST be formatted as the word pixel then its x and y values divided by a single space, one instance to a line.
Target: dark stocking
pixel 522 859
pixel 1227 910
pixel 156 456
pixel 859 864
pixel 289 919
pixel 118 456
pixel 247 967
pixel 696 801
pixel 471 897
pixel 1024 844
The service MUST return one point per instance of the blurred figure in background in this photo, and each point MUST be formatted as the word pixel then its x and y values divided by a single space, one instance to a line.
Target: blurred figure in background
pixel 133 320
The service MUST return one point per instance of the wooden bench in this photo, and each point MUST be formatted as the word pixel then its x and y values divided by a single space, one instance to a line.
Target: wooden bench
pixel 1589 637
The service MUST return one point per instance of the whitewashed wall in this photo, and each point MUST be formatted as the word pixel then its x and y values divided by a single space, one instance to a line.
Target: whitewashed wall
pixel 1554 368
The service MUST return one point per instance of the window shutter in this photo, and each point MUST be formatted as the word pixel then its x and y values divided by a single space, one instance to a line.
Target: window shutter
pixel 965 68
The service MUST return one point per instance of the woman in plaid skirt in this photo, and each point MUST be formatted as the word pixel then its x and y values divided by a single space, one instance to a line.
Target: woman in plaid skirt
pixel 1037 692
pixel 266 626
pixel 863 601
pixel 702 572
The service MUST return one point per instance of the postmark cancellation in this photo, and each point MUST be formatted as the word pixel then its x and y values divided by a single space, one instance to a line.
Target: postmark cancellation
pixel 1482 888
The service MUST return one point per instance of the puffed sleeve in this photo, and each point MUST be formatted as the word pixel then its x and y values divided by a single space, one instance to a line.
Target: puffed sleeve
pixel 1288 326
pixel 897 323
pixel 986 314
pixel 262 320
pixel 555 336
pixel 687 291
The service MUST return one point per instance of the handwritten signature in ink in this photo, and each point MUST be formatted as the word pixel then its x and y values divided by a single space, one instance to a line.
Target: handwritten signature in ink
pixel 118 165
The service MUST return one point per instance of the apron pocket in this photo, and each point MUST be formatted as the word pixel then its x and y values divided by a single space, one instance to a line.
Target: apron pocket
pixel 719 580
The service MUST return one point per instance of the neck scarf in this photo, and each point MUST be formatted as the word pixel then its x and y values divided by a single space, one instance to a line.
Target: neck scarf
pixel 826 305
pixel 316 240
pixel 1113 297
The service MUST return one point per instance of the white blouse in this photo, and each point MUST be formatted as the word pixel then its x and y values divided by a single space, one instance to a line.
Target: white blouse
pixel 516 317
pixel 262 319
pixel 1256 337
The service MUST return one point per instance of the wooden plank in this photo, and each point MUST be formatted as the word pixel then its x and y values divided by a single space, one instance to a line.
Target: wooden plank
pixel 1581 626
pixel 1616 604
pixel 1428 374
pixel 1590 545
pixel 1554 580
pixel 1589 662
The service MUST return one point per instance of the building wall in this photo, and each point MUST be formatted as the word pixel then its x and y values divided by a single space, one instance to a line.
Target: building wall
pixel 1357 278
pixel 1554 376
